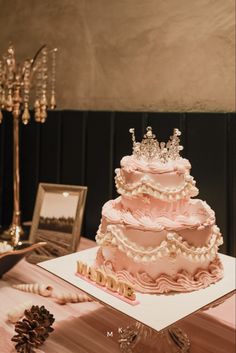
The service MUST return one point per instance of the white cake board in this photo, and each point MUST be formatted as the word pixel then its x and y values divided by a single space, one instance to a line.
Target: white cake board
pixel 155 311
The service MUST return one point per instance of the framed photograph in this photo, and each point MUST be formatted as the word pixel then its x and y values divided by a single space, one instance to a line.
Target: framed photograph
pixel 57 219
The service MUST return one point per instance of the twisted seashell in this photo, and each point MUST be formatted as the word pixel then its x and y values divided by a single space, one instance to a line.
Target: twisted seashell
pixel 36 288
pixel 18 311
pixel 63 298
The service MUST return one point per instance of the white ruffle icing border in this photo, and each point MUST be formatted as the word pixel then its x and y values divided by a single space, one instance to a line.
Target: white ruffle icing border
pixel 113 212
pixel 173 246
pixel 181 282
pixel 165 194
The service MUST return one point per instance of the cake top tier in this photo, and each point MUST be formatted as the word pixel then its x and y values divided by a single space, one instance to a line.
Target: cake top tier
pixel 157 169
pixel 149 149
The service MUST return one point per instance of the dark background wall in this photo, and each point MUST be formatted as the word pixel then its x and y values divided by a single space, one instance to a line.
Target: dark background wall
pixel 84 148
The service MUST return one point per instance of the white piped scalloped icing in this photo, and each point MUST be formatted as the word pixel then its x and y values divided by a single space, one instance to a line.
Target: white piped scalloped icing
pixel 150 214
pixel 169 182
pixel 173 245
pixel 168 186
pixel 154 235
pixel 179 281
pixel 155 238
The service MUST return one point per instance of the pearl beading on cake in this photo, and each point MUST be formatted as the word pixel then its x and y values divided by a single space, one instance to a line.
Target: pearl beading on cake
pixel 188 189
pixel 173 246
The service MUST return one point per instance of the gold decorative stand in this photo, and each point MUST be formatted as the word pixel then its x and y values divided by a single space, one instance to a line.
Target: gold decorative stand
pixel 139 338
pixel 16 81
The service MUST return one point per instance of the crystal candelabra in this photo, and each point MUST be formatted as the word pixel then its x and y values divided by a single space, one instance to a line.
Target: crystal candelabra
pixel 17 81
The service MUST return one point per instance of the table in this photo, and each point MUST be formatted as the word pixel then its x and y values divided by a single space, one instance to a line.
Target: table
pixel 148 309
pixel 92 328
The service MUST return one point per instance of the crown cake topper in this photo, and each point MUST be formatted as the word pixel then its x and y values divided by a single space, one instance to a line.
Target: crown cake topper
pixel 150 149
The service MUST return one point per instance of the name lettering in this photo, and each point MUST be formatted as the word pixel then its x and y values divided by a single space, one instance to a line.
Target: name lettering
pixel 110 281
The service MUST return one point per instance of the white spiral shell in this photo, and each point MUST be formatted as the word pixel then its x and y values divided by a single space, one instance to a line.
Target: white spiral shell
pixel 63 298
pixel 17 312
pixel 36 288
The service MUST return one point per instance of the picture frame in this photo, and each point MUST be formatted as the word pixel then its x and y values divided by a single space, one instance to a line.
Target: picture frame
pixel 57 220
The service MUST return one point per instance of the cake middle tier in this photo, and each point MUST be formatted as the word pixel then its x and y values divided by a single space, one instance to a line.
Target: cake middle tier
pixel 151 215
pixel 146 235
pixel 160 261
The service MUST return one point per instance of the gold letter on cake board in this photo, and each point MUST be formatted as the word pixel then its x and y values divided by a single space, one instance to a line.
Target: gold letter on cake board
pixel 112 283
pixel 101 278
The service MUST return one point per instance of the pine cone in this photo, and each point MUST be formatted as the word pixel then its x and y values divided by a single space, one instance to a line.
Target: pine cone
pixel 33 330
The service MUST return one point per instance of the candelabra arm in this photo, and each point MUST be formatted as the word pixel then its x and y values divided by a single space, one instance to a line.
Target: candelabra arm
pixel 33 65
pixel 38 52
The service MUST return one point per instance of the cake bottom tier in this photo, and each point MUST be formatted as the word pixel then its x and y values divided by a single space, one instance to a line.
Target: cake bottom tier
pixel 163 276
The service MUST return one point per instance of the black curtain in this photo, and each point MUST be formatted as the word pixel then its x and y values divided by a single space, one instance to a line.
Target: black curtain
pixel 84 148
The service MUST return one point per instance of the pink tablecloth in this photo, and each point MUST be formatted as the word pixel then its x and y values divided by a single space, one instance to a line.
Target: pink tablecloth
pixel 83 327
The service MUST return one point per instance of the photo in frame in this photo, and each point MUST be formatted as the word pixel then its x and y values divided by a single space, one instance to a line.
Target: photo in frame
pixel 57 220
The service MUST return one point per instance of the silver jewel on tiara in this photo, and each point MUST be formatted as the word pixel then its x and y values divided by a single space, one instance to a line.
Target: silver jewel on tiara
pixel 150 149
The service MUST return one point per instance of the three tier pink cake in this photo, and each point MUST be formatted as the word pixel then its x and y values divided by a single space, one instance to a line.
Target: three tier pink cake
pixel 154 235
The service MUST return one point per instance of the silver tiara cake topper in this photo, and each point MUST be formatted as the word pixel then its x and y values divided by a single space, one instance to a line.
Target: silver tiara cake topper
pixel 149 148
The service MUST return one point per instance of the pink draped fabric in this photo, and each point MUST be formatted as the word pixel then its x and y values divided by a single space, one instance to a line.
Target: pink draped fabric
pixel 88 327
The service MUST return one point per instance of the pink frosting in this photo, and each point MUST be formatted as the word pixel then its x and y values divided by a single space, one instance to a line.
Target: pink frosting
pixel 170 179
pixel 131 163
pixel 137 229
pixel 151 217
pixel 182 281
